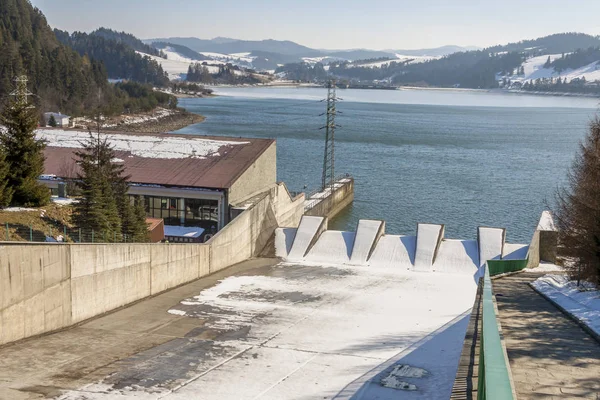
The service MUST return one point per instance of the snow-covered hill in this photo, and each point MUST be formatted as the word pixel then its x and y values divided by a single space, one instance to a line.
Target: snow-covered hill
pixel 400 58
pixel 534 69
pixel 176 66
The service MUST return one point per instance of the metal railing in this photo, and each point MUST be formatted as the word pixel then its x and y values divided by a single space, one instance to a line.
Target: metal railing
pixel 61 234
pixel 498 267
pixel 494 381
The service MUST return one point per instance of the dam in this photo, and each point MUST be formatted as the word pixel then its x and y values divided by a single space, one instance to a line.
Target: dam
pixel 344 315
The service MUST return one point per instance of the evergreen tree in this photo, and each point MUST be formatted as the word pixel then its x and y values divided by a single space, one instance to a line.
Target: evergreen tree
pixel 138 230
pixel 6 192
pixel 24 154
pixel 98 210
pixel 578 210
pixel 52 121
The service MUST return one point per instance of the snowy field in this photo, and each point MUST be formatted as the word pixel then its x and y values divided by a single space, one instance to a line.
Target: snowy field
pixel 309 332
pixel 582 302
pixel 176 65
pixel 534 69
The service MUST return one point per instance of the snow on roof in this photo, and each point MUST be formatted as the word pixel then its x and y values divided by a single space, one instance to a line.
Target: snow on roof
pixel 146 146
pixel 56 115
pixel 183 231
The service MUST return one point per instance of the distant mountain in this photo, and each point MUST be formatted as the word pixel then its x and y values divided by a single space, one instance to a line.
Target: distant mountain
pixel 435 52
pixel 491 67
pixel 233 46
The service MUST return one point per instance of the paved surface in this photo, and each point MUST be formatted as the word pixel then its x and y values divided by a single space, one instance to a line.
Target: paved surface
pixel 260 330
pixel 551 357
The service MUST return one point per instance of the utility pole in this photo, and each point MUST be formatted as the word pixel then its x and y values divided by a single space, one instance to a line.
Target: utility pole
pixel 329 158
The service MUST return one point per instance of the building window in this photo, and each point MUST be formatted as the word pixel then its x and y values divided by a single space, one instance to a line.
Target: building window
pixel 196 212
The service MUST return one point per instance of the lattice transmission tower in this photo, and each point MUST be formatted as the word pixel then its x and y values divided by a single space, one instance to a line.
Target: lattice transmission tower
pixel 329 158
pixel 21 93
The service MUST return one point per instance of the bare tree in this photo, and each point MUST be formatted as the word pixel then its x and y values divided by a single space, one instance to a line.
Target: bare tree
pixel 578 210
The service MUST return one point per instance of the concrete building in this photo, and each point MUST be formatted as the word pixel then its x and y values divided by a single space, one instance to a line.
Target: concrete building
pixel 62 121
pixel 185 180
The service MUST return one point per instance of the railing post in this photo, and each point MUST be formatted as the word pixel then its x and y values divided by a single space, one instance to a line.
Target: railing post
pixel 30 233
pixel 7 233
pixel 92 236
pixel 79 235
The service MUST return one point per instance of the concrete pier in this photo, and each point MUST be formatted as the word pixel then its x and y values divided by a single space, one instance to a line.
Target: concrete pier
pixel 329 203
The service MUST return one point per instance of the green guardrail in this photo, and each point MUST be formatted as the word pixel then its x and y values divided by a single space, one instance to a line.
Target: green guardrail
pixel 498 267
pixel 494 376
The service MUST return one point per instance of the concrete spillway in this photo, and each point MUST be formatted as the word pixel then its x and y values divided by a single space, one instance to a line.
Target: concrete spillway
pixel 428 251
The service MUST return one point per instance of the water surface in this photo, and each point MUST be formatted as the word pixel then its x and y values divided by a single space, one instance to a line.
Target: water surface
pixel 458 158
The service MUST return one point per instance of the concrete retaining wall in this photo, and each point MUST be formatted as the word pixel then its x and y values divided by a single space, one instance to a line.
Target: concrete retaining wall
pixel 332 205
pixel 45 287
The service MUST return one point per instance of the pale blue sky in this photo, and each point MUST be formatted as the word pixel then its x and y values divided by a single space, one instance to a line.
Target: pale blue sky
pixel 333 24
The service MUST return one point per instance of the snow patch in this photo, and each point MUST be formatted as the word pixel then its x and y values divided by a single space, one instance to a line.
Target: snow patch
pixel 582 302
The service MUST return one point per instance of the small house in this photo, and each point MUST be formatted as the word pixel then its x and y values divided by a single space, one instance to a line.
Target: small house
pixel 62 120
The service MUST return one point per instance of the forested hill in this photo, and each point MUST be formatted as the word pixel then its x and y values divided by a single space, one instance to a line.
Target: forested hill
pixel 60 78
pixel 121 60
pixel 127 39
pixel 480 68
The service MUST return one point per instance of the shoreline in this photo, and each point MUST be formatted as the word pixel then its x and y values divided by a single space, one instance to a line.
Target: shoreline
pixel 170 123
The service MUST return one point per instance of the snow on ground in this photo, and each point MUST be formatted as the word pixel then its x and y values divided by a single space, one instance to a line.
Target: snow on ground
pixel 583 302
pixel 146 146
pixel 61 201
pixel 156 115
pixel 299 332
pixel 18 209
pixel 177 68
pixel 534 69
pixel 547 267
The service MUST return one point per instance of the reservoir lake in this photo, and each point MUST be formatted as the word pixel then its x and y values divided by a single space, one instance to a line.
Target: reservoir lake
pixel 459 158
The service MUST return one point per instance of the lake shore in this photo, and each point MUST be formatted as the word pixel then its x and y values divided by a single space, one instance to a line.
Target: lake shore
pixel 169 123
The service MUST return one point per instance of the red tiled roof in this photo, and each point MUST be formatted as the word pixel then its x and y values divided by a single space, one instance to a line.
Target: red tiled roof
pixel 214 172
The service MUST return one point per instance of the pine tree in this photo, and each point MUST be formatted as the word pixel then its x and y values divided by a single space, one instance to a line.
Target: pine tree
pixel 578 210
pixel 138 230
pixel 98 209
pixel 52 121
pixel 6 192
pixel 24 153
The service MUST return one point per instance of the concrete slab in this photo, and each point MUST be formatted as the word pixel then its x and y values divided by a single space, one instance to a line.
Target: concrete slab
pixel 268 331
pixel 394 251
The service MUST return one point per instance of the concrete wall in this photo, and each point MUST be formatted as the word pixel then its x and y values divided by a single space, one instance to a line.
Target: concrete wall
pixel 45 287
pixel 252 230
pixel 261 175
pixel 332 205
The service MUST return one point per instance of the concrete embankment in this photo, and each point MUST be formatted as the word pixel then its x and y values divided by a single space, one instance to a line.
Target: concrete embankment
pixel 46 287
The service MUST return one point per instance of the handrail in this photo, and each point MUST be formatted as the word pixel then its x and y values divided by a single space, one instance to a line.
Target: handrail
pixel 495 382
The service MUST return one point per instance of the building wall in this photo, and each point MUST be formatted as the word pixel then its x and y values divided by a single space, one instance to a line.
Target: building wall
pixel 45 287
pixel 260 176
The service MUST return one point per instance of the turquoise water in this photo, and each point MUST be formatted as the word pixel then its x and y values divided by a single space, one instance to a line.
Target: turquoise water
pixel 463 159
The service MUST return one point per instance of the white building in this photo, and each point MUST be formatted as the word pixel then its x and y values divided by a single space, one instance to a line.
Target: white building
pixel 62 120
